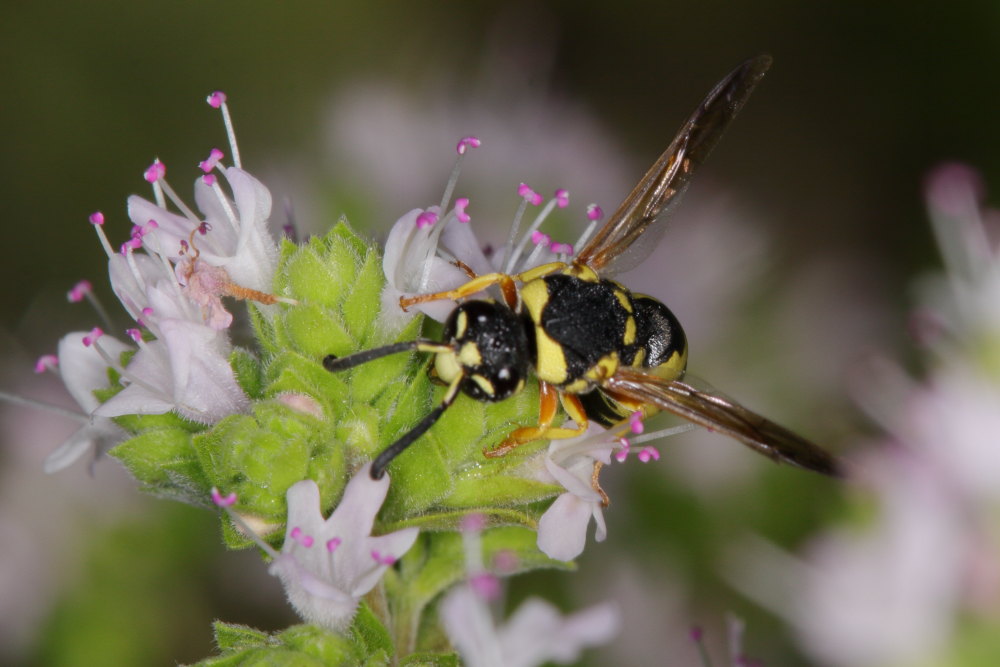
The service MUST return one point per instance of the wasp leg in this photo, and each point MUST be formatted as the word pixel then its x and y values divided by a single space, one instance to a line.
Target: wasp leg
pixel 595 483
pixel 479 283
pixel 547 402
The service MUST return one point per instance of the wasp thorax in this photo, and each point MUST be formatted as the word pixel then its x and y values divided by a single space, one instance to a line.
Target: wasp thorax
pixel 489 347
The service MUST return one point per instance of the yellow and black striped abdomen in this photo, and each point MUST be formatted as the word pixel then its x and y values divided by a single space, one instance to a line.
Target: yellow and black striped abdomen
pixel 660 348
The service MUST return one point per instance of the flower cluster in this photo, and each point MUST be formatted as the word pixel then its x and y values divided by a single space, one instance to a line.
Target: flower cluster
pixel 189 412
pixel 894 589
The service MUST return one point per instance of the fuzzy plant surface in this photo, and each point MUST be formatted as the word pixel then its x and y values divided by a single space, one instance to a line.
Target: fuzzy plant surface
pixel 384 569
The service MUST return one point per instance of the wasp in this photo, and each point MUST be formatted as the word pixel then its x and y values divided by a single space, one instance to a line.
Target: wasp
pixel 597 348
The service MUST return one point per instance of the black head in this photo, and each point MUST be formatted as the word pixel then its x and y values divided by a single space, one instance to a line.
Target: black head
pixel 489 347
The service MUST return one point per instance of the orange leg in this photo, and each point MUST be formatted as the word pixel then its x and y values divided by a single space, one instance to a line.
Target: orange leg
pixel 548 400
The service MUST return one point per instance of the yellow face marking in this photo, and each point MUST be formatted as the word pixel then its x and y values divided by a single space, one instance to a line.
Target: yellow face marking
pixel 461 324
pixel 446 366
pixel 484 384
pixel 469 354
pixel 629 337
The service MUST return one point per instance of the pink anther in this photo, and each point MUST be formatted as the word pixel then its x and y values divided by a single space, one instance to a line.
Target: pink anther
pixel 529 195
pixel 96 218
pixel 426 219
pixel 79 291
pixel 473 523
pixel 155 172
pixel 208 164
pixel 485 585
pixel 221 500
pixel 635 422
pixel 333 543
pixel 216 99
pixel 562 198
pixel 622 453
pixel 135 334
pixel 209 179
pixel 466 143
pixel 649 454
pixel 460 205
pixel 92 337
pixel 298 536
pixel 540 238
pixel 562 248
pixel 594 212
pixel 383 559
pixel 46 362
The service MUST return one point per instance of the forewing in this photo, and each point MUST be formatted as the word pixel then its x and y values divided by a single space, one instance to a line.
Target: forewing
pixel 614 247
pixel 721 414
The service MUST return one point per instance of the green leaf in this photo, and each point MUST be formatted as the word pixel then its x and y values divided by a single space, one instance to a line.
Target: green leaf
pixel 248 370
pixel 431 660
pixel 230 636
pixel 166 464
pixel 369 632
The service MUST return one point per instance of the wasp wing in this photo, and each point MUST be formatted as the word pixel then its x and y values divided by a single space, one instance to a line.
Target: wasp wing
pixel 718 413
pixel 642 211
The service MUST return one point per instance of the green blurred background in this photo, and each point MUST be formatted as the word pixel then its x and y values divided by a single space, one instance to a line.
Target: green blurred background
pixel 827 160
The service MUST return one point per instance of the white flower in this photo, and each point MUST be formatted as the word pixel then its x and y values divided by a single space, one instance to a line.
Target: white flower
pixel 233 235
pixel 535 634
pixel 83 370
pixel 327 565
pixel 562 529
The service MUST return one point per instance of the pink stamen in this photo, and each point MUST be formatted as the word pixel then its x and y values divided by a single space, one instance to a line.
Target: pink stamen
pixel 304 540
pixel 426 219
pixel 96 218
pixel 150 226
pixel 92 337
pixel 529 195
pixel 79 291
pixel 473 523
pixel 133 243
pixel 562 198
pixel 216 99
pixel 332 544
pixel 221 500
pixel 208 164
pixel 387 559
pixel 46 362
pixel 594 212
pixel 209 179
pixel 460 205
pixel 485 585
pixel 540 238
pixel 134 334
pixel 622 453
pixel 505 560
pixel 696 633
pixel 155 172
pixel 635 422
pixel 649 454
pixel 562 248
pixel 466 143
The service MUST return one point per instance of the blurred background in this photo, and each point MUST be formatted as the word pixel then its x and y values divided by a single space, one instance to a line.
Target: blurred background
pixel 791 260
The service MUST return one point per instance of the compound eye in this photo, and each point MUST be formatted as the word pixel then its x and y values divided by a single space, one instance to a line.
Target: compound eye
pixel 506 381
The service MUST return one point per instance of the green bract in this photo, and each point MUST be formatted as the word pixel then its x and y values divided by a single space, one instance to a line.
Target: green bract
pixel 307 423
